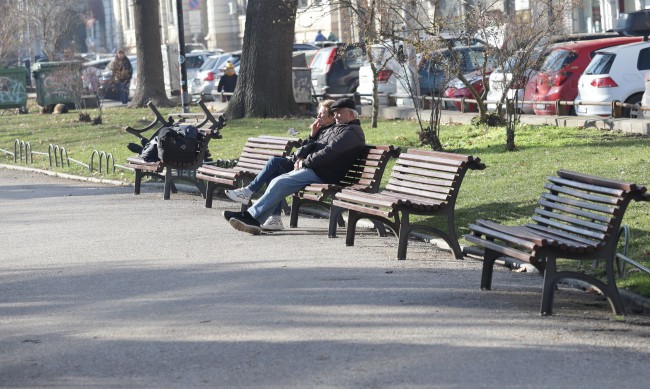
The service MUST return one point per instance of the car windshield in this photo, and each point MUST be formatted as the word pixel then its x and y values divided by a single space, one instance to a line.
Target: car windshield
pixel 558 59
pixel 380 54
pixel 601 63
pixel 194 62
pixel 209 63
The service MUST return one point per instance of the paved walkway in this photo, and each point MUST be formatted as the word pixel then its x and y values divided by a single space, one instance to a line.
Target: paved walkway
pixel 101 288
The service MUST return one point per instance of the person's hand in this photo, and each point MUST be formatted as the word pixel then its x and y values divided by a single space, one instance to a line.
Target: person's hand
pixel 315 127
pixel 298 164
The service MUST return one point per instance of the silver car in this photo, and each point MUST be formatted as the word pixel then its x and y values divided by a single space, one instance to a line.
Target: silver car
pixel 204 80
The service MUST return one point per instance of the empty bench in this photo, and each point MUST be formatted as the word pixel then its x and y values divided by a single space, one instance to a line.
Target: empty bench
pixel 257 151
pixel 364 176
pixel 578 218
pixel 422 183
pixel 209 128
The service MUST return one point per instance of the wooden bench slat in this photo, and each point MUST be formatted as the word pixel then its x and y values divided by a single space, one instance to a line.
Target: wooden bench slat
pixel 496 234
pixel 423 180
pixel 600 181
pixel 584 195
pixel 424 172
pixel 505 250
pixel 574 211
pixel 563 237
pixel 426 166
pixel 373 199
pixel 587 187
pixel 579 204
pixel 571 220
pixel 363 209
pixel 516 231
pixel 404 190
pixel 569 228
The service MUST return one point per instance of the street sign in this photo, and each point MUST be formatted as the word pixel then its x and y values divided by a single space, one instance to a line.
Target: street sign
pixel 194 4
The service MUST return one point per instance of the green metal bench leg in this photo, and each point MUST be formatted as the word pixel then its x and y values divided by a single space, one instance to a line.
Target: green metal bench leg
pixel 295 208
pixel 404 232
pixel 548 291
pixel 138 181
pixel 489 257
pixel 168 183
pixel 353 218
pixel 209 192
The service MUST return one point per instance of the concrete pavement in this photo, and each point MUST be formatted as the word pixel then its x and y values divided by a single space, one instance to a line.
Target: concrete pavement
pixel 101 288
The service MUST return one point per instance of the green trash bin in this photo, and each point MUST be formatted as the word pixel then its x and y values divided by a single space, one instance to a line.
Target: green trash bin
pixel 58 82
pixel 13 91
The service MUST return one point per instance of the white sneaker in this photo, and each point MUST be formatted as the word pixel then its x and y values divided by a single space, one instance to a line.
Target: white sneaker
pixel 238 195
pixel 273 223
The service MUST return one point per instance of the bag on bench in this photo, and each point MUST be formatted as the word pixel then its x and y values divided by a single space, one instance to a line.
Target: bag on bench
pixel 178 144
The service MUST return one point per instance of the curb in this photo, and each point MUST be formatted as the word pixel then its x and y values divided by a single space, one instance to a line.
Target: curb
pixel 66 176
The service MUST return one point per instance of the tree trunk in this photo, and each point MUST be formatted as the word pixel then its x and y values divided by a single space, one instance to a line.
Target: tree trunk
pixel 264 86
pixel 150 79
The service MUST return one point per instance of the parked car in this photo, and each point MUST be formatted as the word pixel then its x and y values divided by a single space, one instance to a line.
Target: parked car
pixel 335 69
pixel 433 68
pixel 458 89
pixel 615 73
pixel 559 74
pixel 91 74
pixel 522 89
pixel 194 60
pixel 204 81
pixel 389 70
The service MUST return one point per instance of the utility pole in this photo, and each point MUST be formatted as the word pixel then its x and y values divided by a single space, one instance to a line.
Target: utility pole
pixel 185 101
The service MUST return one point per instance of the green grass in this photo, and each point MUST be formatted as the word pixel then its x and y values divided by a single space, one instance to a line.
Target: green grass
pixel 505 191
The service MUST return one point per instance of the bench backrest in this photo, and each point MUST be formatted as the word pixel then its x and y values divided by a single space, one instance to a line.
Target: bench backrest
pixel 580 209
pixel 430 174
pixel 257 151
pixel 366 173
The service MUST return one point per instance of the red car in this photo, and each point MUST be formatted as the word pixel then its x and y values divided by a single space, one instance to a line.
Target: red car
pixel 456 88
pixel 558 77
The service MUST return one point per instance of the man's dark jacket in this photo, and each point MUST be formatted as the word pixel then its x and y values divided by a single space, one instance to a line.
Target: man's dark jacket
pixel 335 151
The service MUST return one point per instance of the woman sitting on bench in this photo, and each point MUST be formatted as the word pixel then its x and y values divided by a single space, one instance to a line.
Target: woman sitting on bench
pixel 277 166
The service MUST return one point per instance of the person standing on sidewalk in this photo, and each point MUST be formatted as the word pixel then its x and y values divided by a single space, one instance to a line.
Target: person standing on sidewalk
pixel 277 166
pixel 327 161
pixel 122 72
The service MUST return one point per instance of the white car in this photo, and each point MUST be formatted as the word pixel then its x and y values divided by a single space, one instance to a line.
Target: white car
pixel 388 71
pixel 615 73
pixel 203 82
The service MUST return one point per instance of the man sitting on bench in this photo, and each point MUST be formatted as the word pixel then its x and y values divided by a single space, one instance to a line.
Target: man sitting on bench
pixel 327 160
pixel 277 166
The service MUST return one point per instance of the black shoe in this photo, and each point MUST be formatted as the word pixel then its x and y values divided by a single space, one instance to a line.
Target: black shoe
pixel 246 223
pixel 229 214
pixel 134 148
pixel 207 157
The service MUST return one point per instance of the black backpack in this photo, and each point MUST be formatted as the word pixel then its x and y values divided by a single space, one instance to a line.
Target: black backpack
pixel 178 144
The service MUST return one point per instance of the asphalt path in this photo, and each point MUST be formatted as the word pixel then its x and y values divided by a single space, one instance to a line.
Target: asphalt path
pixel 102 288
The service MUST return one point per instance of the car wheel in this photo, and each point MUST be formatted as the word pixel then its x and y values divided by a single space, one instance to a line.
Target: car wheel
pixel 633 113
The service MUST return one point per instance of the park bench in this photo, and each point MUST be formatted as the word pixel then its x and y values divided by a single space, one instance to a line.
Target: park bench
pixel 421 183
pixel 364 176
pixel 578 219
pixel 208 126
pixel 257 151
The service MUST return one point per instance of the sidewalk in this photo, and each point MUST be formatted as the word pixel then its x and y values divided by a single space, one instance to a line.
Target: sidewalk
pixel 101 288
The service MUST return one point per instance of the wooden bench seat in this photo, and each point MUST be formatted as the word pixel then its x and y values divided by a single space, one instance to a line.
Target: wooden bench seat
pixel 364 176
pixel 421 182
pixel 209 128
pixel 578 218
pixel 257 151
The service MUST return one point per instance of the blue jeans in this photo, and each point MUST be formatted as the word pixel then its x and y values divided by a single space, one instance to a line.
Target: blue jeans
pixel 275 166
pixel 279 188
pixel 123 89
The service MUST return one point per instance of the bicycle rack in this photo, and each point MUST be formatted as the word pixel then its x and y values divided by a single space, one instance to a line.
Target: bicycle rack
pixel 622 258
pixel 102 156
pixel 20 147
pixel 58 152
